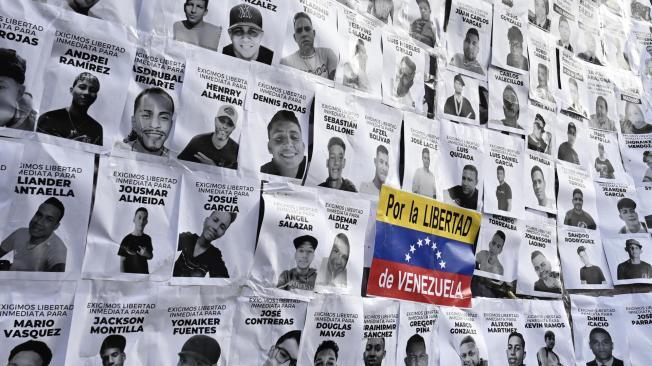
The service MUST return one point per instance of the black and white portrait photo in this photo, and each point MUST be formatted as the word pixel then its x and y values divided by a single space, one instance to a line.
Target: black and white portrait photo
pixel 462 104
pixel 320 61
pixel 136 247
pixel 246 33
pixel 194 29
pixel 285 144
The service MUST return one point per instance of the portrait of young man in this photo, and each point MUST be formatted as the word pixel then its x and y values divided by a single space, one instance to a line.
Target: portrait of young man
pixel 416 353
pixel 302 276
pixel 627 212
pixel 335 164
pixel 539 17
pixel 285 144
pixel 515 57
pixel 546 356
pixel 515 351
pixel 539 187
pixel 422 28
pixel 468 59
pixel 589 274
pixel 503 191
pixel 542 91
pixel 332 271
pixel 602 347
pixel 326 354
pixel 634 120
pixel 217 147
pixel 194 29
pixel 487 260
pixel 575 106
pixel 633 267
pixel 566 151
pixel 246 33
pixel 465 194
pixel 381 165
pixel 37 248
pixel 456 104
pixel 73 122
pixel 539 140
pixel 548 279
pixel 602 165
pixel 30 353
pixel 511 108
pixel 285 351
pixel 199 257
pixel 423 182
pixel 136 247
pixel 374 352
pixel 320 61
pixel 470 354
pixel 112 350
pixel 564 34
pixel 200 350
pixel 151 123
pixel 403 81
pixel 576 216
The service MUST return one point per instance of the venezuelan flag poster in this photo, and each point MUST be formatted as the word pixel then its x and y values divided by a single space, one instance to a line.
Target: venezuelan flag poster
pixel 423 250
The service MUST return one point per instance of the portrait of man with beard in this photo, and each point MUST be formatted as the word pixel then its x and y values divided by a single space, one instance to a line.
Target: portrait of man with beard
pixel 374 352
pixel 381 164
pixel 548 279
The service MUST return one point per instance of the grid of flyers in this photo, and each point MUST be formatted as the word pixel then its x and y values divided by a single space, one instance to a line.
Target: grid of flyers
pixel 120 114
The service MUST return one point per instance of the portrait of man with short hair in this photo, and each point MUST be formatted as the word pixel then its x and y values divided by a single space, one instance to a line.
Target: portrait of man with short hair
pixel 200 350
pixel 576 216
pixel 515 57
pixel 539 140
pixel 151 123
pixel 487 260
pixel 37 248
pixel 217 147
pixel 542 91
pixel 627 212
pixel 15 103
pixel 374 352
pixel 73 122
pixel 566 150
pixel 422 28
pixel 199 257
pixel 468 59
pixel 333 268
pixel 546 356
pixel 246 33
pixel 515 351
pixel 503 191
pixel 423 182
pixel 136 247
pixel 600 119
pixel 469 353
pixel 335 165
pixel 539 17
pixel 320 61
pixel 302 276
pixel 112 350
pixel 575 106
pixel 602 347
pixel 285 144
pixel 539 187
pixel 285 351
pixel 326 354
pixel 589 274
pixel 416 353
pixel 633 267
pixel 548 279
pixel 30 353
pixel 381 165
pixel 403 81
pixel 465 194
pixel 564 34
pixel 457 104
pixel 194 29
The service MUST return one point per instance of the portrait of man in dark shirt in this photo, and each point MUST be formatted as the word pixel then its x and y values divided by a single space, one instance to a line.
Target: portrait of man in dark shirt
pixel 136 248
pixel 466 194
pixel 503 191
pixel 633 267
pixel 589 273
pixel 576 216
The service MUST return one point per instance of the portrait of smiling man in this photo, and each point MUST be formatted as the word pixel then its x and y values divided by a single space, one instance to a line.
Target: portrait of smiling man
pixel 246 33
pixel 151 123
pixel 194 29
pixel 285 144
pixel 320 61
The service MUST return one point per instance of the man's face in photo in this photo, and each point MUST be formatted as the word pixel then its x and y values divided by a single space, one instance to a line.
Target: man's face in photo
pixel 601 346
pixel 500 174
pixel 285 144
pixel 374 352
pixel 515 47
pixel 564 31
pixel 578 201
pixel 469 354
pixel 10 93
pixel 284 353
pixel 634 251
pixel 540 9
pixel 571 134
pixel 539 186
pixel 629 215
pixel 537 131
pixel 515 351
pixel 84 93
pixel 326 357
pixel 425 158
pixel 223 128
pixel 542 75
pixel 511 108
pixel 542 266
pixel 469 181
pixel 416 355
pixel 585 258
pixel 140 220
pixel 216 225
pixel 496 245
pixel 458 87
pixel 26 358
pixel 153 120
pixel 381 161
pixel 335 162
pixel 424 9
pixel 471 46
pixel 339 256
pixel 195 11
pixel 45 221
pixel 304 34
pixel 550 342
pixel 574 93
pixel 601 108
pixel 634 114
pixel 304 255
pixel 405 75
pixel 246 41
pixel 113 357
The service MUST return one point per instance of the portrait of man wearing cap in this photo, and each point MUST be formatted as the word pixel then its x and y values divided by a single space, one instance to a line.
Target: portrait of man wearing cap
pixel 468 59
pixel 515 57
pixel 320 61
pixel 576 216
pixel 335 164
pixel 633 267
pixel 539 140
pixel 112 350
pixel 381 165
pixel 199 257
pixel 194 29
pixel 151 123
pixel 215 148
pixel 403 81
pixel 285 143
pixel 542 91
pixel 511 109
pixel 627 213
pixel 30 353
pixel 600 119
pixel 74 122
pixel 589 274
pixel 15 104
pixel 456 104
pixel 200 350
pixel 246 32
pixel 37 248
pixel 302 276
pixel 602 164
pixel 566 152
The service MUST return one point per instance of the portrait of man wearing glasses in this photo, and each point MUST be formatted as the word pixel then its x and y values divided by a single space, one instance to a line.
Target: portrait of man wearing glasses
pixel 511 109
pixel 320 61
pixel 246 32
pixel 285 351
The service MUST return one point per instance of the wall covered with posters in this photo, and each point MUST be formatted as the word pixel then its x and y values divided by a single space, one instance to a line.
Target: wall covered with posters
pixel 195 182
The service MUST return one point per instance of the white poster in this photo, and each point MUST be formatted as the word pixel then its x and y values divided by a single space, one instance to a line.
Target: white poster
pixel 573 82
pixel 504 156
pixel 539 178
pixel 461 337
pixel 548 333
pixel 508 96
pixel 497 250
pixel 510 27
pixel 460 97
pixel 543 84
pixel 381 319
pixel 423 20
pixel 582 259
pixel 637 156
pixel 576 199
pixel 462 157
pixel 403 72
pixel 503 322
pixel 629 258
pixel 469 37
pixel 417 334
pixel 216 243
pixel 538 272
pixel 45 233
pixel 421 140
pixel 133 229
